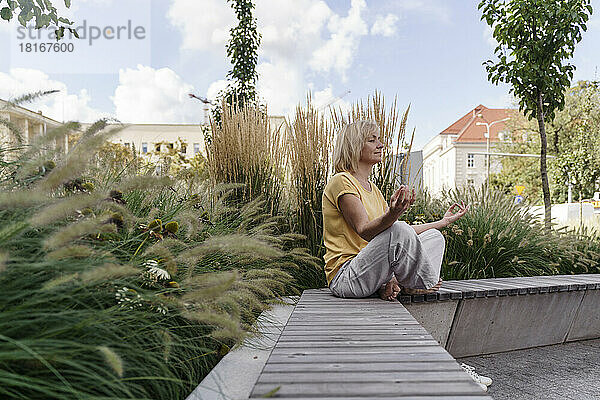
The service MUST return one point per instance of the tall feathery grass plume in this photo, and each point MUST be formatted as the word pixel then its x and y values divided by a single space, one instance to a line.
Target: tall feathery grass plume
pixel 310 144
pixel 245 148
pixel 77 159
pixel 14 132
pixel 392 127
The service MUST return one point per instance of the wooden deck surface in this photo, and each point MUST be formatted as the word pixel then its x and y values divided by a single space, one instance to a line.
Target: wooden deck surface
pixel 360 349
pixel 491 287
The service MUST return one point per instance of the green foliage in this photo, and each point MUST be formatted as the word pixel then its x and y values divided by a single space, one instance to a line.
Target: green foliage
pixel 242 49
pixel 42 11
pixel 534 38
pixel 573 133
pixel 132 287
pixel 498 238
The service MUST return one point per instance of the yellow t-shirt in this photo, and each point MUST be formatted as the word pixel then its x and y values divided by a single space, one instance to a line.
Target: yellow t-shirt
pixel 341 241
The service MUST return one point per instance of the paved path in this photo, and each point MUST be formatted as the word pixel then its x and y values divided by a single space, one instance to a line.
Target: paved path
pixel 563 371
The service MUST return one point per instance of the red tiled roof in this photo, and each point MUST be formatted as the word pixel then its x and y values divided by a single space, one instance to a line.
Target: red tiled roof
pixel 467 129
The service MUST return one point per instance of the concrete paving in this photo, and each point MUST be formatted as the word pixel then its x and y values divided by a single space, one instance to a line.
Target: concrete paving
pixel 562 371
pixel 235 375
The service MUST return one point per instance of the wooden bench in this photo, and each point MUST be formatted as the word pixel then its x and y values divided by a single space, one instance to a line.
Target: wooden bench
pixel 483 316
pixel 360 349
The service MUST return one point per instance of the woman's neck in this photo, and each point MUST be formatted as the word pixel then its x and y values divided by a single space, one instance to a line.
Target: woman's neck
pixel 363 172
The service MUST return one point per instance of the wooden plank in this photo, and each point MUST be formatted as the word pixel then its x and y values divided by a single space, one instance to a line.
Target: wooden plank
pixel 390 366
pixel 361 330
pixel 373 389
pixel 436 397
pixel 308 329
pixel 376 376
pixel 360 323
pixel 551 284
pixel 330 344
pixel 517 281
pixel 353 343
pixel 341 320
pixel 503 288
pixel 357 350
pixel 348 357
pixel 590 282
pixel 467 290
pixel 356 337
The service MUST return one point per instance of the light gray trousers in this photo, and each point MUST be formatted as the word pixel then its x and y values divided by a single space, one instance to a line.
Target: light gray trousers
pixel 416 261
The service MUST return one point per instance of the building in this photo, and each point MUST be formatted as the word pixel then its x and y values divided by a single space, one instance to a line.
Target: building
pixel 410 173
pixel 151 138
pixel 451 159
pixel 29 123
pixel 186 138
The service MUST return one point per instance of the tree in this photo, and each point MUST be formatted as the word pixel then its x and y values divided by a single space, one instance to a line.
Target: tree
pixel 575 130
pixel 42 10
pixel 535 37
pixel 243 52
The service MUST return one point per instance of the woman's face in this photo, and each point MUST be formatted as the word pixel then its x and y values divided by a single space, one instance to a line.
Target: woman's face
pixel 371 151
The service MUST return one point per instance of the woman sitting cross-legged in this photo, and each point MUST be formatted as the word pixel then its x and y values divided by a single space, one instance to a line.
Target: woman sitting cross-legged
pixel 368 249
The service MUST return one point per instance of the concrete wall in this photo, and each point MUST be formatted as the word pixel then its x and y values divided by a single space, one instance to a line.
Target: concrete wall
pixel 487 325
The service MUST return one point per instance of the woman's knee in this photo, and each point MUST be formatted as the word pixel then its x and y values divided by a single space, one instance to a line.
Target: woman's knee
pixel 439 235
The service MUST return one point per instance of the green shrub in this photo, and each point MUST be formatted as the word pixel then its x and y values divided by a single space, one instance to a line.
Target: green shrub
pixel 133 288
pixel 497 238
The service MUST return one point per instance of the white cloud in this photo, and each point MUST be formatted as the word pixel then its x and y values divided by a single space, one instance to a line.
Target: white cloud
pixel 299 38
pixel 385 26
pixel 59 106
pixel 488 36
pixel 148 95
pixel 289 34
pixel 325 98
pixel 339 50
pixel 215 88
pixel 430 8
pixel 281 87
pixel 204 25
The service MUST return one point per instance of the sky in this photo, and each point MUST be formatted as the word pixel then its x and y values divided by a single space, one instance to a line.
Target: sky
pixel 426 53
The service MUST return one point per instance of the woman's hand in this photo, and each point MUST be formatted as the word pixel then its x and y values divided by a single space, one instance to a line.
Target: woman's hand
pixel 401 200
pixel 449 217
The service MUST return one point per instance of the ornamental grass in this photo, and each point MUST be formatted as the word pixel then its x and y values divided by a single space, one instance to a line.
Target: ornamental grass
pixel 497 238
pixel 121 284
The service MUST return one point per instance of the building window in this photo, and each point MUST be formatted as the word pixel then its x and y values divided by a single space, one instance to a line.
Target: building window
pixel 470 160
pixel 196 148
pixel 157 147
pixel 144 147
pixel 170 146
pixel 128 145
pixel 183 148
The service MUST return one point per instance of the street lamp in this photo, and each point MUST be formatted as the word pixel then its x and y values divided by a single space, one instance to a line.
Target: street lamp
pixel 487 135
pixel 206 103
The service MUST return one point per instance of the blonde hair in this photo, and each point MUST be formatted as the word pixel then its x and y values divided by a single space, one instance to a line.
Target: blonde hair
pixel 349 143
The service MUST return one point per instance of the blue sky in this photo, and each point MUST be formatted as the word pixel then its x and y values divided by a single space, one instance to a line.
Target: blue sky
pixel 427 52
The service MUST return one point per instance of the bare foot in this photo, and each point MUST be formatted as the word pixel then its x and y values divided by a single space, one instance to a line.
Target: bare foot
pixel 422 291
pixel 390 290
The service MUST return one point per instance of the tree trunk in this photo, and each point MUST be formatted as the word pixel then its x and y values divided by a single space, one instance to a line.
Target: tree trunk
pixel 543 170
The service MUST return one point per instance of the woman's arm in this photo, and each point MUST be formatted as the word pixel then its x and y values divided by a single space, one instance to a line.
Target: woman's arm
pixel 448 218
pixel 423 227
pixel 356 217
